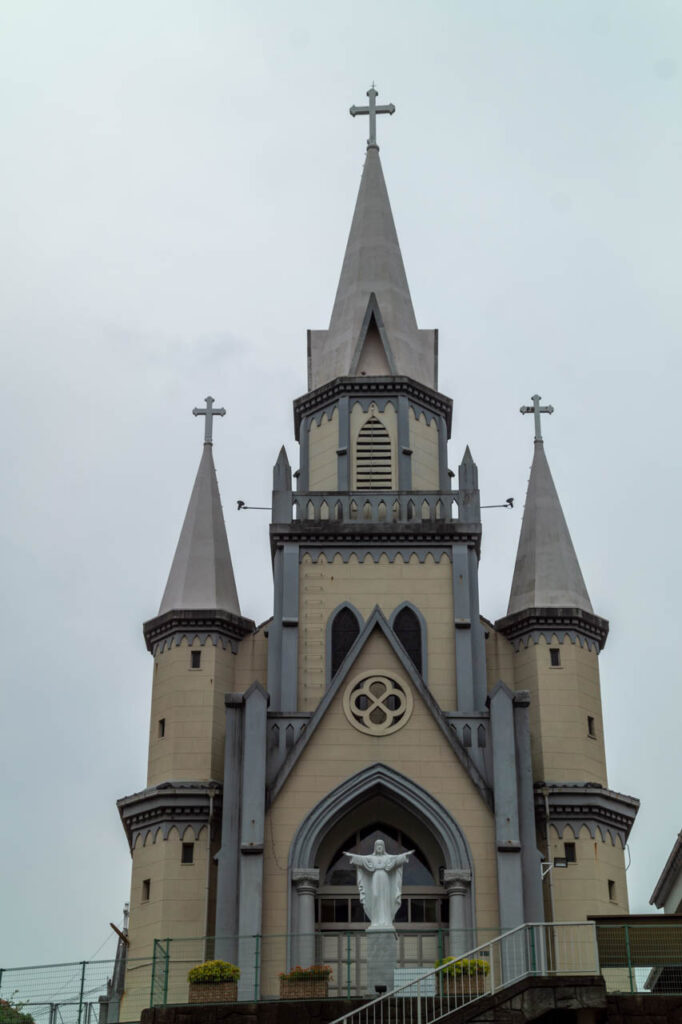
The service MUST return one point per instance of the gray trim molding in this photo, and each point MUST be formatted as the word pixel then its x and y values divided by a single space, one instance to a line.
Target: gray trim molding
pixel 375 553
pixel 532 623
pixel 431 400
pixel 175 625
pixel 159 808
pixel 586 804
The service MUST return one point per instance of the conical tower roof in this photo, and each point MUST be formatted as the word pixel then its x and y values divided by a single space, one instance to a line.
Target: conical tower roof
pixel 201 576
pixel 373 306
pixel 547 573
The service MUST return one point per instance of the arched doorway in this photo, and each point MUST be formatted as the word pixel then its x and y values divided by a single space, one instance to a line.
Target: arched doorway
pixel 436 916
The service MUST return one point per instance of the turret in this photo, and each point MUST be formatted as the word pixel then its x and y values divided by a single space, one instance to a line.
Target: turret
pixel 557 638
pixel 173 825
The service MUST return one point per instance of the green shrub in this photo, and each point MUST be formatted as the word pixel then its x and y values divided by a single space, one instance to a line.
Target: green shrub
pixel 11 1013
pixel 213 972
pixel 466 968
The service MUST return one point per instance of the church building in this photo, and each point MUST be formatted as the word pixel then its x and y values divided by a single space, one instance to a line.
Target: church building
pixel 377 702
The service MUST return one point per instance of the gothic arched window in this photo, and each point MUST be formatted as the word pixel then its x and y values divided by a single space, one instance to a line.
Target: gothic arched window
pixel 407 628
pixel 345 629
pixel 373 466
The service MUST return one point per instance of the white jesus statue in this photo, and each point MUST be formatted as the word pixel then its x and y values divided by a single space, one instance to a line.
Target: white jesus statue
pixel 380 881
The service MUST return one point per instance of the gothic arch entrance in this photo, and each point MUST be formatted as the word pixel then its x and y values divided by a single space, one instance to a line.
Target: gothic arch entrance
pixel 437 914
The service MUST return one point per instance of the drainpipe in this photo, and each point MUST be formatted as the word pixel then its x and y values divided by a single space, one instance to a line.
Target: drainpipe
pixel 545 793
pixel 211 794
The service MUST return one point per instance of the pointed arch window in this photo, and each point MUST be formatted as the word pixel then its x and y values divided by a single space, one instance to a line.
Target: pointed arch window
pixel 373 463
pixel 344 631
pixel 407 628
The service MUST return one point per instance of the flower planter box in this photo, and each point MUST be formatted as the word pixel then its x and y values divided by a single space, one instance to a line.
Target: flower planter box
pixel 303 988
pixel 213 992
pixel 463 986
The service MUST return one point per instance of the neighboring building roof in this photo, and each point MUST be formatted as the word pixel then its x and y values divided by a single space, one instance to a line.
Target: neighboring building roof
pixel 669 875
pixel 547 573
pixel 201 575
pixel 373 327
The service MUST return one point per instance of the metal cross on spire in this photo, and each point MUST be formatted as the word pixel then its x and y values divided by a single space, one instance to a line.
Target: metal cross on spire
pixel 372 110
pixel 209 412
pixel 536 409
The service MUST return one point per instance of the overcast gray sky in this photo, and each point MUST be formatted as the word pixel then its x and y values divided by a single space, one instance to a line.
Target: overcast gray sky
pixel 176 186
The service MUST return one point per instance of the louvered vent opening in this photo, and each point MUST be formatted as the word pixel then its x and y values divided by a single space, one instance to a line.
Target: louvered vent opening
pixel 373 457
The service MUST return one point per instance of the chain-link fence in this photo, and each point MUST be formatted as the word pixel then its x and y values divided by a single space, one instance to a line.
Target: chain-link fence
pixel 640 955
pixel 84 992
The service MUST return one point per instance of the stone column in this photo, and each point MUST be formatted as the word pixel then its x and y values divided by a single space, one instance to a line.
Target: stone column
pixel 305 882
pixel 458 887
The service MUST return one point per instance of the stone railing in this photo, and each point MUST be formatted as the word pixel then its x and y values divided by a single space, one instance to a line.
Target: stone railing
pixel 375 506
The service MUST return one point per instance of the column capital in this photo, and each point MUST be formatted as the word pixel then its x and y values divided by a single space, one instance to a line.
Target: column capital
pixel 305 879
pixel 457 881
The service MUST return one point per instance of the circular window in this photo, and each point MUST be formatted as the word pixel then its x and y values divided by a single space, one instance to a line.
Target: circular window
pixel 376 704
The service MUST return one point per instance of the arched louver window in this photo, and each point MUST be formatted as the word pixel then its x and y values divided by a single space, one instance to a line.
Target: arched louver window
pixel 373 471
pixel 345 629
pixel 407 628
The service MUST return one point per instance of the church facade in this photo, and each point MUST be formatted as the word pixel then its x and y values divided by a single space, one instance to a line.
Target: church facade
pixel 377 702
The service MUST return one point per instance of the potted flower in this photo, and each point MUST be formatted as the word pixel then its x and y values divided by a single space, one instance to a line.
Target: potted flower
pixel 305 982
pixel 213 982
pixel 463 977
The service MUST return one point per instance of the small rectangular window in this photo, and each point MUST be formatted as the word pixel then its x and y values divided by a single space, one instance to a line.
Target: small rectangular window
pixel 590 726
pixel 162 728
pixel 612 890
pixel 569 853
pixel 195 659
pixel 188 853
pixel 554 657
pixel 146 889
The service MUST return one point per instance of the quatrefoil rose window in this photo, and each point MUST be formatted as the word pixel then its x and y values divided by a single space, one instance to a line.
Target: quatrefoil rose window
pixel 377 704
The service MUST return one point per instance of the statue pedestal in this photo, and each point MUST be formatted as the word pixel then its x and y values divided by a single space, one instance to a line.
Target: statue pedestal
pixel 382 959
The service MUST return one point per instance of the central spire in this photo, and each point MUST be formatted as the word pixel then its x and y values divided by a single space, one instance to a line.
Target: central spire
pixel 373 329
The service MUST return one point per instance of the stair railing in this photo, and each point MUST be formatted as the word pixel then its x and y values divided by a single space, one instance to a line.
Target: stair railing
pixel 530 950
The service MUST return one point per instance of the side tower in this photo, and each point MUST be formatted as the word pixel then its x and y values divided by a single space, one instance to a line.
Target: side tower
pixel 557 639
pixel 173 825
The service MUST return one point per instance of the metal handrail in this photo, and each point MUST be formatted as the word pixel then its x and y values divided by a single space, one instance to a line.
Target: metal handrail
pixel 530 949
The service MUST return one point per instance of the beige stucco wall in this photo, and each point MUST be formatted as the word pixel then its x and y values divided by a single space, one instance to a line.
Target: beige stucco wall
pixel 582 888
pixel 192 703
pixel 499 658
pixel 337 751
pixel 561 700
pixel 322 458
pixel 424 445
pixel 251 660
pixel 389 418
pixel 176 909
pixel 325 585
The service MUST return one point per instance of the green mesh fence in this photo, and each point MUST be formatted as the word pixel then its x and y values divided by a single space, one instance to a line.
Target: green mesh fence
pixel 71 993
pixel 637 956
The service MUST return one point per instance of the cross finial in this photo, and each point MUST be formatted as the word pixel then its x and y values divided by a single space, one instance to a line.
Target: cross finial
pixel 372 110
pixel 209 412
pixel 536 409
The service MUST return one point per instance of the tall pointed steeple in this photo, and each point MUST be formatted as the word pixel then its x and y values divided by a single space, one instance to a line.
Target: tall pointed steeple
pixel 201 576
pixel 373 329
pixel 547 573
